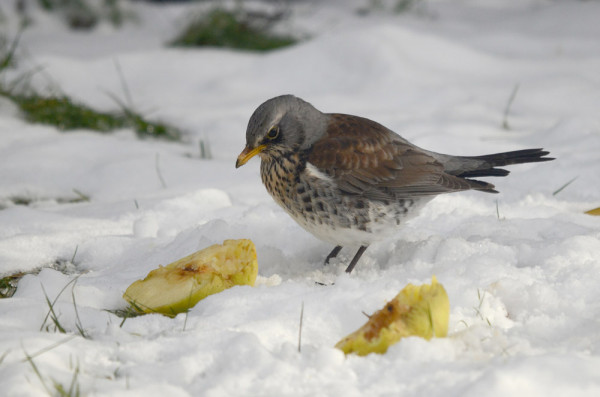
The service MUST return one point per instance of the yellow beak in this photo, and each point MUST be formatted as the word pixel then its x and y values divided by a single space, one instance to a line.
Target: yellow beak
pixel 247 154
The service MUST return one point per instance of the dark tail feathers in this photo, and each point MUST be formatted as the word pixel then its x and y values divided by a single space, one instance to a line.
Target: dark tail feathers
pixel 482 166
pixel 490 161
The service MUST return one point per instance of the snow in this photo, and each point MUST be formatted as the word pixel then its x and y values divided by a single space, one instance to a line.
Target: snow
pixel 521 268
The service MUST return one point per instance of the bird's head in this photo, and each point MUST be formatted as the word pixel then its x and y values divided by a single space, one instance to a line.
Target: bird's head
pixel 281 124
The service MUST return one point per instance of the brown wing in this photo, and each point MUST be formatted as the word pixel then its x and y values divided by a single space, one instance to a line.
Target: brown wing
pixel 365 158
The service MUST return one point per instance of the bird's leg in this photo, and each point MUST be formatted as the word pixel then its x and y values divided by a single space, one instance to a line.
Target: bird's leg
pixel 333 254
pixel 356 258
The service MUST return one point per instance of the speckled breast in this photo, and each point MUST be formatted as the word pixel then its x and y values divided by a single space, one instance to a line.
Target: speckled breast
pixel 314 201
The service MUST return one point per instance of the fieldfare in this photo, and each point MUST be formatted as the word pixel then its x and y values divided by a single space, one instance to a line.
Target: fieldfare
pixel 351 181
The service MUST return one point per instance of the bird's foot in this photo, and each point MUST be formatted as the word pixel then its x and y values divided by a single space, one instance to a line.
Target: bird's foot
pixel 332 254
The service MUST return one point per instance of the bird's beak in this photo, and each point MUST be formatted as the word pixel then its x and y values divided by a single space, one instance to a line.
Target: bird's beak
pixel 247 154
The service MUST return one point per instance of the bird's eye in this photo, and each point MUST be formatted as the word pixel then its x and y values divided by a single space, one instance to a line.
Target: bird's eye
pixel 273 132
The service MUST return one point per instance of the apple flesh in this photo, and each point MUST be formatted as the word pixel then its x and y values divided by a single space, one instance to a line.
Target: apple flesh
pixel 180 285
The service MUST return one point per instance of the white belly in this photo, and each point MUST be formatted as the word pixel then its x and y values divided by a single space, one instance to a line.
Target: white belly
pixel 384 223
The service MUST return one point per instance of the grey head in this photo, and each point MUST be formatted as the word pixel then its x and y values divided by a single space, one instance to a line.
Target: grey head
pixel 282 124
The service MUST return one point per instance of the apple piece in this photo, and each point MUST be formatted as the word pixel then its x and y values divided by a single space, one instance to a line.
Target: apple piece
pixel 416 311
pixel 180 285
pixel 595 211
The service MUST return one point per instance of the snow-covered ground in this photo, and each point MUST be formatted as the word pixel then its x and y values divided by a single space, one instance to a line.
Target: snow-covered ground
pixel 522 268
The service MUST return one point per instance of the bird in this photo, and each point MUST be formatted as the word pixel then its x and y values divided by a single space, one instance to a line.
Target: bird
pixel 349 180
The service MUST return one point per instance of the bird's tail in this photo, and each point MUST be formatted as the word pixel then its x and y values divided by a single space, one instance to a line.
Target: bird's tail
pixel 482 166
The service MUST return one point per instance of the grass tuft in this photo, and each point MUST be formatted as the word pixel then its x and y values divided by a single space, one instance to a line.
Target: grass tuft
pixel 222 28
pixel 67 115
pixel 53 316
pixel 62 112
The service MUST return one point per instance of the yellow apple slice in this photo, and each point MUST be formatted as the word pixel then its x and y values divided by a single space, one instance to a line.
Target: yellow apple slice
pixel 416 311
pixel 595 211
pixel 180 285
